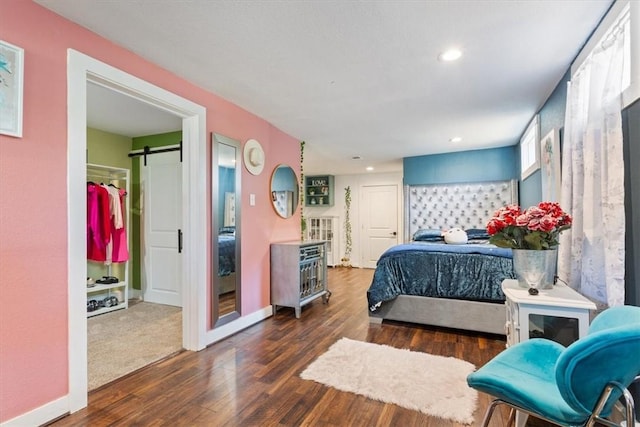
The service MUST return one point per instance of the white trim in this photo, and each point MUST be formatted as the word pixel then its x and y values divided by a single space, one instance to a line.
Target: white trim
pixel 41 415
pixel 81 69
pixel 533 126
pixel 632 93
pixel 226 330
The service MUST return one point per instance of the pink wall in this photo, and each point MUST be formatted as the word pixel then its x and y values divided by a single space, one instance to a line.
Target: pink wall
pixel 33 197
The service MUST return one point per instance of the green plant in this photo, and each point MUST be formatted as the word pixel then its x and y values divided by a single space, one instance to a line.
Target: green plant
pixel 347 225
pixel 303 221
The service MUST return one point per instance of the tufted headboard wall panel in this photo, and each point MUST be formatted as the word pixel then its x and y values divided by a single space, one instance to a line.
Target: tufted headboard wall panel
pixel 444 206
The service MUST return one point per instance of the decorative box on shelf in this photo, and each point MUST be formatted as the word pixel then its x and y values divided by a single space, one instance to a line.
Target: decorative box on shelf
pixel 319 190
pixel 560 313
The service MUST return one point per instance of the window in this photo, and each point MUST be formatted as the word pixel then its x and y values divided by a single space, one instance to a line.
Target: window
pixel 529 152
pixel 617 23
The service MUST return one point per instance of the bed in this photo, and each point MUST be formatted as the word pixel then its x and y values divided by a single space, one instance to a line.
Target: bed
pixel 227 259
pixel 434 283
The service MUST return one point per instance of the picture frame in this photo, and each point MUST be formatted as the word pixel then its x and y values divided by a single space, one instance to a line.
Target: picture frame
pixel 11 89
pixel 550 166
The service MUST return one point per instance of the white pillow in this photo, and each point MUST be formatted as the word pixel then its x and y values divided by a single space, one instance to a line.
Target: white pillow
pixel 455 236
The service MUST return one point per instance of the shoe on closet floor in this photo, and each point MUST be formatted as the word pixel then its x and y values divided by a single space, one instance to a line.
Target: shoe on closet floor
pixel 110 301
pixel 90 282
pixel 107 280
pixel 92 305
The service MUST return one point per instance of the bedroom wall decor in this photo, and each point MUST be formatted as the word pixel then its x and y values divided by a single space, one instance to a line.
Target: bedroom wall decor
pixel 11 87
pixel 445 206
pixel 550 166
pixel 253 157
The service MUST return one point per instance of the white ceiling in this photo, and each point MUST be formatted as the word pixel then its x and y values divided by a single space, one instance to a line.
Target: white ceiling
pixel 353 78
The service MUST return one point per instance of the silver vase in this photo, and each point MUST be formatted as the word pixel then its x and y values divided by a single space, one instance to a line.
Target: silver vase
pixel 535 269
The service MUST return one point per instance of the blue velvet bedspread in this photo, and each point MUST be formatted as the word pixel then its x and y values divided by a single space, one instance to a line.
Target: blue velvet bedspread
pixel 469 272
pixel 226 254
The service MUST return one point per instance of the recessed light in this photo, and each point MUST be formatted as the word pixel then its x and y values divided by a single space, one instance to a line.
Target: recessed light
pixel 369 168
pixel 455 139
pixel 450 55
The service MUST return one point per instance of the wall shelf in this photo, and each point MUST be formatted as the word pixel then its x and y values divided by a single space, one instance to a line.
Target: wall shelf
pixel 319 191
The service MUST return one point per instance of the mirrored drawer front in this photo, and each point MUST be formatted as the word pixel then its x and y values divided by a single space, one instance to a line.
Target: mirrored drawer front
pixel 310 252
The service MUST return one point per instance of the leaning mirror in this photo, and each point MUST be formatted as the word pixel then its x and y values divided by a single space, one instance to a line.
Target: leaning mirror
pixel 284 191
pixel 225 214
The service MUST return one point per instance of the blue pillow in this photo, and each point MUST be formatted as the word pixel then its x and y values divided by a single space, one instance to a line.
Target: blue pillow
pixel 428 235
pixel 477 234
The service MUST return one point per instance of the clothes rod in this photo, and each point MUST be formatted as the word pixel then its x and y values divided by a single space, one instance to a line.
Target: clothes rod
pixel 148 151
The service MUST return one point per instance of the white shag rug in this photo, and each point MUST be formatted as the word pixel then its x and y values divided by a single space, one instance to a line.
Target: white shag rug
pixel 434 385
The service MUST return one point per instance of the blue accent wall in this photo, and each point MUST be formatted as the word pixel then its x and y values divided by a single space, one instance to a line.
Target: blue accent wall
pixel 226 184
pixel 551 117
pixel 494 164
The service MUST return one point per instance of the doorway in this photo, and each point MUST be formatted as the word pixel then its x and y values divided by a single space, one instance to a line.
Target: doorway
pixel 81 70
pixel 379 219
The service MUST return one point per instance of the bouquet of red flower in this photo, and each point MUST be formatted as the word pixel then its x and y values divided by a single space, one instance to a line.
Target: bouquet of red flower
pixel 536 228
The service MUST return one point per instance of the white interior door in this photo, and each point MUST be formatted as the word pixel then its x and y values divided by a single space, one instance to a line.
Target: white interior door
pixel 379 219
pixel 160 186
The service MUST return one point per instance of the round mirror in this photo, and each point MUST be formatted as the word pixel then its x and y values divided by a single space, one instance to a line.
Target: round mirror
pixel 284 191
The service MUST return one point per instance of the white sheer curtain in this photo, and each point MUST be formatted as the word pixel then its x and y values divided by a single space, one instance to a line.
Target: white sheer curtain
pixel 591 253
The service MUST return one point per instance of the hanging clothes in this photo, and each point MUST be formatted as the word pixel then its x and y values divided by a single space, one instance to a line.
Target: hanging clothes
pixel 106 233
pixel 120 251
pixel 115 218
pixel 98 222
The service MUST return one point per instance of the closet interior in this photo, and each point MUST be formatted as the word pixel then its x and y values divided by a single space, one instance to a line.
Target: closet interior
pixel 107 239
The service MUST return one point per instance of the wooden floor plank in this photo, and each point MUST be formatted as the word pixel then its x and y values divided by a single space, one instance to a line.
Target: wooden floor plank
pixel 253 377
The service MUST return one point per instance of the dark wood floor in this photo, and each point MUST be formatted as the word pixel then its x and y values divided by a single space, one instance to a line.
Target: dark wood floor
pixel 252 378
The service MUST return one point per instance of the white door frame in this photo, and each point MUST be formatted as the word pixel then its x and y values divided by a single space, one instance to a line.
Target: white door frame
pixel 82 69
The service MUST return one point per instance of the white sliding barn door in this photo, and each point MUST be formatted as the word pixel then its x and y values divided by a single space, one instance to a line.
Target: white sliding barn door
pixel 161 189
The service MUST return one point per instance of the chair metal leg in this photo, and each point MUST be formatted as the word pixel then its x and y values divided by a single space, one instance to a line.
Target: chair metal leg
pixel 489 413
pixel 593 420
pixel 629 406
pixel 511 421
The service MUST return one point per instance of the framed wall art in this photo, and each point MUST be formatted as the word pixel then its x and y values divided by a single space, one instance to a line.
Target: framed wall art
pixel 11 86
pixel 550 166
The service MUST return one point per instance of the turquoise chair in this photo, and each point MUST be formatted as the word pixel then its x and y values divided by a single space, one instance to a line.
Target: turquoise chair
pixel 576 385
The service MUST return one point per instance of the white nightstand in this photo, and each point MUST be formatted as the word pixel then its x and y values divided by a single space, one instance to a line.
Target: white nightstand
pixel 559 313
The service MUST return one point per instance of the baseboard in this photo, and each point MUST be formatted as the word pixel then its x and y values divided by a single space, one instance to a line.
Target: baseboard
pixel 42 415
pixel 236 326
